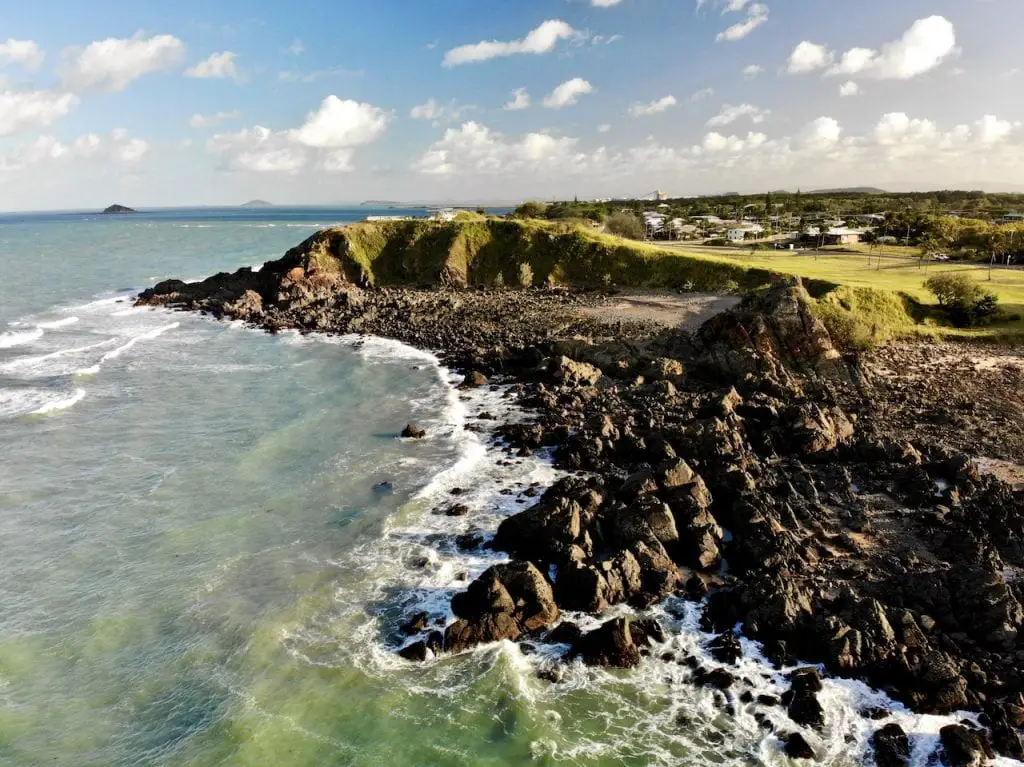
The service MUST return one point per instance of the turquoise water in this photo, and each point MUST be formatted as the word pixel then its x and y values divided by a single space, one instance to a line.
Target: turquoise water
pixel 198 570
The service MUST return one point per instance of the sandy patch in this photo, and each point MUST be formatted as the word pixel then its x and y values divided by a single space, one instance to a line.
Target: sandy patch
pixel 687 311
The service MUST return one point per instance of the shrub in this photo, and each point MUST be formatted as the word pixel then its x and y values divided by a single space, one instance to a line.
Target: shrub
pixel 963 300
pixel 525 275
pixel 625 224
pixel 531 209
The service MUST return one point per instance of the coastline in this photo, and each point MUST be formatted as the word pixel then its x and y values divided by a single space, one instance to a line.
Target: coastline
pixel 585 390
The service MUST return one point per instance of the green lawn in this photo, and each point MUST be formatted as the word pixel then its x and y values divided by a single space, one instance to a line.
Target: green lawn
pixel 904 276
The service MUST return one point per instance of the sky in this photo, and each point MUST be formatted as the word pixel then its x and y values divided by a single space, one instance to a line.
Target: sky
pixel 197 103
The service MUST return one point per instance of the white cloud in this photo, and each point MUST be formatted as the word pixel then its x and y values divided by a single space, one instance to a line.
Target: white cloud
pixel 604 128
pixel 339 123
pixel 438 113
pixel 568 93
pixel 116 148
pixel 474 148
pixel 991 130
pixel 218 66
pixel 114 63
pixel 654 107
pixel 821 134
pixel 602 39
pixel 716 143
pixel 924 46
pixel 27 110
pixel 849 88
pixel 24 52
pixel 731 114
pixel 757 14
pixel 541 40
pixel 291 76
pixel 808 57
pixel 296 48
pixel 205 121
pixel 701 95
pixel 604 3
pixel 520 100
pixel 752 71
pixel 327 138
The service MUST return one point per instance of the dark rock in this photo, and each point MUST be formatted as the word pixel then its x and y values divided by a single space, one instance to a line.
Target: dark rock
pixel 961 747
pixel 891 746
pixel 797 747
pixel 611 644
pixel 565 632
pixel 457 510
pixel 726 648
pixel 417 651
pixel 413 432
pixel 473 380
pixel 415 624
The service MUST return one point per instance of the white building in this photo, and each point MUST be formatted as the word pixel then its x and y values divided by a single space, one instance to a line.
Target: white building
pixel 442 214
pixel 741 233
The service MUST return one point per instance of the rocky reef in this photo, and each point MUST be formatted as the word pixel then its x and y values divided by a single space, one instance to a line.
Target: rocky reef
pixel 751 465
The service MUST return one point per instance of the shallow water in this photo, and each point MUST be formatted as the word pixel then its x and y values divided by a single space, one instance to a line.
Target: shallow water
pixel 197 569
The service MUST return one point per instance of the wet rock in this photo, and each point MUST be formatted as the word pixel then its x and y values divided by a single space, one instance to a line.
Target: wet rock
pixel 611 644
pixel 891 746
pixel 415 624
pixel 473 380
pixel 961 747
pixel 718 678
pixel 726 648
pixel 647 631
pixel 413 432
pixel 457 510
pixel 565 632
pixel 417 652
pixel 797 747
pixel 801 698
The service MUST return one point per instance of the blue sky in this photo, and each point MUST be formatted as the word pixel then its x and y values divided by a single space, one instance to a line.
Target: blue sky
pixel 191 102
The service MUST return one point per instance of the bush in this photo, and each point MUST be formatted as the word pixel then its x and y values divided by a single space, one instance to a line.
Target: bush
pixel 531 209
pixel 525 275
pixel 963 300
pixel 624 224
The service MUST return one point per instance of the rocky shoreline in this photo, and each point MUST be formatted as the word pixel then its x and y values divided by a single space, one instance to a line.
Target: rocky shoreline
pixel 750 465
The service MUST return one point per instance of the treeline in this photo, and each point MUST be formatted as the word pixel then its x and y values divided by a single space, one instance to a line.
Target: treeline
pixel 974 204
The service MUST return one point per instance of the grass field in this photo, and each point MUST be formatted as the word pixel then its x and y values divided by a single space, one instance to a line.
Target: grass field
pixel 891 274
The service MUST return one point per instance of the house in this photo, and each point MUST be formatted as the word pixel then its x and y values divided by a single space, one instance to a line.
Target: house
pixel 1013 217
pixel 654 223
pixel 841 235
pixel 745 232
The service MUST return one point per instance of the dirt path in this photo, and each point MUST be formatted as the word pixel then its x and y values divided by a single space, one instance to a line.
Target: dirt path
pixel 686 311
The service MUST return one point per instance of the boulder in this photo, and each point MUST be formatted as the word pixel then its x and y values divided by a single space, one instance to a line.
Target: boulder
pixel 961 747
pixel 797 747
pixel 413 432
pixel 611 644
pixel 569 372
pixel 474 379
pixel 891 746
pixel 726 648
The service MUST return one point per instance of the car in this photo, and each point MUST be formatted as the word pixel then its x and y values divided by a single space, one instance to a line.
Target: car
pixel 940 257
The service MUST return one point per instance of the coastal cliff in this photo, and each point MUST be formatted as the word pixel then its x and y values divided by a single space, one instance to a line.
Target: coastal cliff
pixel 752 465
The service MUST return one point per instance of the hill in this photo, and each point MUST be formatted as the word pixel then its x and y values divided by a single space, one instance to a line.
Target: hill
pixel 850 190
pixel 257 204
pixel 115 209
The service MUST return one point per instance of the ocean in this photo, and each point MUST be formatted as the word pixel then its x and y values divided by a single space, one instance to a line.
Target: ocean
pixel 200 565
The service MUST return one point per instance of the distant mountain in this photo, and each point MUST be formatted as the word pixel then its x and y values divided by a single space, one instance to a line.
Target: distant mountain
pixel 382 204
pixel 257 204
pixel 850 190
pixel 113 209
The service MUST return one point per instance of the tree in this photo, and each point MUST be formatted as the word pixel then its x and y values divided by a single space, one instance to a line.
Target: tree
pixel 963 300
pixel 625 224
pixel 531 209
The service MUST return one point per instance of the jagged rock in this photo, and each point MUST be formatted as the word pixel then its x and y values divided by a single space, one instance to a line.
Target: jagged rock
pixel 797 747
pixel 802 702
pixel 413 432
pixel 505 602
pixel 611 644
pixel 891 746
pixel 726 648
pixel 474 379
pixel 572 373
pixel 961 747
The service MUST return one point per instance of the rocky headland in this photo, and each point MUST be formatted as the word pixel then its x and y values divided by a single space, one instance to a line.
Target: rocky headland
pixel 828 505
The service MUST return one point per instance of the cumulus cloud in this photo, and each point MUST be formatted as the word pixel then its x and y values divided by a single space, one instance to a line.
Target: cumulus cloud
pixel 604 3
pixel 849 88
pixel 923 47
pixel 541 40
pixel 568 93
pixel 731 114
pixel 218 66
pixel 28 110
pixel 808 57
pixel 474 148
pixel 326 139
pixel 205 121
pixel 27 53
pixel 752 71
pixel 114 63
pixel 701 95
pixel 716 143
pixel 520 100
pixel 757 14
pixel 653 107
pixel 116 147
pixel 821 134
pixel 342 123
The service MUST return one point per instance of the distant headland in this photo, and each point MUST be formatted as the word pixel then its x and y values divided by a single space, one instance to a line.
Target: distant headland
pixel 118 209
pixel 257 204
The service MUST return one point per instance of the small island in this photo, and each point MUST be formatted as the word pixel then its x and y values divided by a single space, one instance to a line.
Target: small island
pixel 115 209
pixel 258 204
